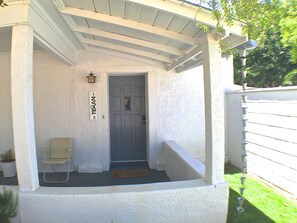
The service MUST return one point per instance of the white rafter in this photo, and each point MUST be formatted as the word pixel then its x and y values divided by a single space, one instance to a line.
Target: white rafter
pixel 127 39
pixel 189 65
pixel 235 42
pixel 125 56
pixel 187 49
pixel 193 13
pixel 197 50
pixel 126 50
pixel 130 24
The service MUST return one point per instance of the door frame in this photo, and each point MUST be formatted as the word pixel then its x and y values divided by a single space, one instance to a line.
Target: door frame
pixel 143 77
pixel 150 116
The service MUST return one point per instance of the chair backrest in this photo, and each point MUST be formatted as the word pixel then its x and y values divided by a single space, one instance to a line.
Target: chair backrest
pixel 60 148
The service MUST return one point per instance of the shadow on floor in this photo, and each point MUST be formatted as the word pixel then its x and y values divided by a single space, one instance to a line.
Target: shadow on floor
pixel 251 213
pixel 97 179
pixel 230 169
pixel 9 181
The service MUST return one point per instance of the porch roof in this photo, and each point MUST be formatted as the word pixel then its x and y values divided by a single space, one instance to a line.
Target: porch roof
pixel 158 32
pixel 52 24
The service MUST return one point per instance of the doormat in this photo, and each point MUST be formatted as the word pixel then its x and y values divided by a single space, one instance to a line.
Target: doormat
pixel 129 173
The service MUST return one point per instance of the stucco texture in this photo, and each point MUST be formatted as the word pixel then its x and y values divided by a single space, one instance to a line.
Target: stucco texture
pixel 60 92
pixel 6 133
pixel 188 201
pixel 181 110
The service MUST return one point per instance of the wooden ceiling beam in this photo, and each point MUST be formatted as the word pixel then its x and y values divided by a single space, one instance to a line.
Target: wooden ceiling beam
pixel 125 56
pixel 130 24
pixel 197 50
pixel 127 39
pixel 189 65
pixel 126 50
pixel 201 15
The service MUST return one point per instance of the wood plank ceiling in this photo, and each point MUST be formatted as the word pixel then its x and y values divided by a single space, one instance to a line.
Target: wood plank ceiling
pixel 146 30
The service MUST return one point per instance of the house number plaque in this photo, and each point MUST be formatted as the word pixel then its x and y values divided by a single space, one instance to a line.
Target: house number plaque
pixel 93 105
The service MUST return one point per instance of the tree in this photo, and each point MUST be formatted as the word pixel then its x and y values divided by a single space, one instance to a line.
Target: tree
pixel 256 15
pixel 288 27
pixel 273 63
pixel 267 65
pixel 273 24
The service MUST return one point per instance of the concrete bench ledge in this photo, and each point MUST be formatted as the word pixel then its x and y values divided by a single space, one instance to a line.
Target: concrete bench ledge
pixel 179 164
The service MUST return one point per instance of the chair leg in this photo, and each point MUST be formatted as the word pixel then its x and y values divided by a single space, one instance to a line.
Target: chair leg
pixel 53 181
pixel 73 164
pixel 53 167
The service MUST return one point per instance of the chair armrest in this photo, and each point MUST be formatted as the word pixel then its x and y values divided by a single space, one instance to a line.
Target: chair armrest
pixel 69 153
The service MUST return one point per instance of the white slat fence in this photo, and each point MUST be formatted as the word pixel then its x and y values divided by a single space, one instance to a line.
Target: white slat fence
pixel 272 142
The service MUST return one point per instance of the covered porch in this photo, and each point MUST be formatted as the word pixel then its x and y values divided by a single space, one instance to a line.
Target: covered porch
pixel 54 46
pixel 100 179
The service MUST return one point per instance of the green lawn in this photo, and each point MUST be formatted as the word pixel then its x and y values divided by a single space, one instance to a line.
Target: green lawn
pixel 262 204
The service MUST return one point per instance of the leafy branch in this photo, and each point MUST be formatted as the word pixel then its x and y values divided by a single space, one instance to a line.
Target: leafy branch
pixel 256 17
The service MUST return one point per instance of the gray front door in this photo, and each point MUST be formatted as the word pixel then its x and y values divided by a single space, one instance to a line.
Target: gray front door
pixel 127 118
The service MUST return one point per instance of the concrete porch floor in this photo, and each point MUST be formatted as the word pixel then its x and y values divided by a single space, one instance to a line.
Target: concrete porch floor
pixel 98 179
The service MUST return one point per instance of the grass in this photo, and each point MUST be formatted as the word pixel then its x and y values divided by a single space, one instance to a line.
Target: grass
pixel 262 204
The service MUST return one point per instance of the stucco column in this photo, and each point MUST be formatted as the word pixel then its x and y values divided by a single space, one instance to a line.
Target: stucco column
pixel 214 110
pixel 22 107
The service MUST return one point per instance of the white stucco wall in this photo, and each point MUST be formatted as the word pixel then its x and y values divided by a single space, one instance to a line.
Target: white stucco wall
pixel 181 118
pixel 188 198
pixel 6 133
pixel 175 101
pixel 175 104
pixel 179 164
pixel 183 201
pixel 176 112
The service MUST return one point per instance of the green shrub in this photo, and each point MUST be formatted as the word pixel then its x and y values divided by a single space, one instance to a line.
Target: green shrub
pixel 8 206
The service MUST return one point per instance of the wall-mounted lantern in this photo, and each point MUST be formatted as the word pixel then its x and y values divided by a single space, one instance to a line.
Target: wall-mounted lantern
pixel 91 78
pixel 2 3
